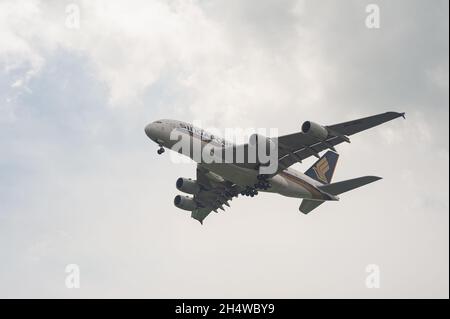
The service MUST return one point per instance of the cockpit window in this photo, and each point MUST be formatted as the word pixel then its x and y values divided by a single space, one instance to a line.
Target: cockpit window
pixel 158 122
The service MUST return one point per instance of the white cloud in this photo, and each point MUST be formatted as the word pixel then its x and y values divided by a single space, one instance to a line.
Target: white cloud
pixel 80 182
pixel 133 47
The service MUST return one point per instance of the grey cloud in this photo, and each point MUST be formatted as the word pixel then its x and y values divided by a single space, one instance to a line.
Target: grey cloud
pixel 81 183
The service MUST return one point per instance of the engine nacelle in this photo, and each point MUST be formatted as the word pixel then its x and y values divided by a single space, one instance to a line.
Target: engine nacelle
pixel 315 130
pixel 187 185
pixel 185 203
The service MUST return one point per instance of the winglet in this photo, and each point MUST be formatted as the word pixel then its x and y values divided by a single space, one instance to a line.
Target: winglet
pixel 403 114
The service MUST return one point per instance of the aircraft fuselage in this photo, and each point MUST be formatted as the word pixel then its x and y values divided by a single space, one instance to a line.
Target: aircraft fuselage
pixel 288 182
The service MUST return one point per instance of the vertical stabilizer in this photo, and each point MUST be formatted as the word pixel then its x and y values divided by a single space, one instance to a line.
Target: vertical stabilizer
pixel 323 170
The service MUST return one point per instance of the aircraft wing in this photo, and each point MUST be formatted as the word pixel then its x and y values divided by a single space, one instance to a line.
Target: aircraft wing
pixel 215 192
pixel 296 147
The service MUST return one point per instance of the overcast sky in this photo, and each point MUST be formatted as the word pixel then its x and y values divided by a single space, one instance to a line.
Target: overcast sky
pixel 80 183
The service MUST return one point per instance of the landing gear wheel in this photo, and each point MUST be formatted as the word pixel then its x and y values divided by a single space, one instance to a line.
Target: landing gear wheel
pixel 249 191
pixel 262 184
pixel 160 151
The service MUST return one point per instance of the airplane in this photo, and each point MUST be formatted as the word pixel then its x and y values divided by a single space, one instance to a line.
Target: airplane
pixel 219 182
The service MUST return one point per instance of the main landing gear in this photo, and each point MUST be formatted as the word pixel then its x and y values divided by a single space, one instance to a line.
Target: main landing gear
pixel 262 184
pixel 249 191
pixel 160 150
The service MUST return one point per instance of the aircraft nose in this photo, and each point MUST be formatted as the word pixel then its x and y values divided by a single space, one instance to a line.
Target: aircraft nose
pixel 150 130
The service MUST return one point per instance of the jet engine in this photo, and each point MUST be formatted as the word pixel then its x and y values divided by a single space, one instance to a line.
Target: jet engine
pixel 187 185
pixel 185 203
pixel 315 130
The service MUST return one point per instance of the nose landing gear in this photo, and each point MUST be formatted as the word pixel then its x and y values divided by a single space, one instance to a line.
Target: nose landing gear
pixel 161 150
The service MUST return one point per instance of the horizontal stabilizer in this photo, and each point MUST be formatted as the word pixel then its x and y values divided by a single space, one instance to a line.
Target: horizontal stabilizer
pixel 335 189
pixel 348 185
pixel 309 205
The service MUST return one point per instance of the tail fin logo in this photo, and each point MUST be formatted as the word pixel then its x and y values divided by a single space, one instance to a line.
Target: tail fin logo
pixel 321 169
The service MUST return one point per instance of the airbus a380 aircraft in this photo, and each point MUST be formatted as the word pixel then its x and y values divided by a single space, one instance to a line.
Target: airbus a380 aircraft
pixel 218 182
